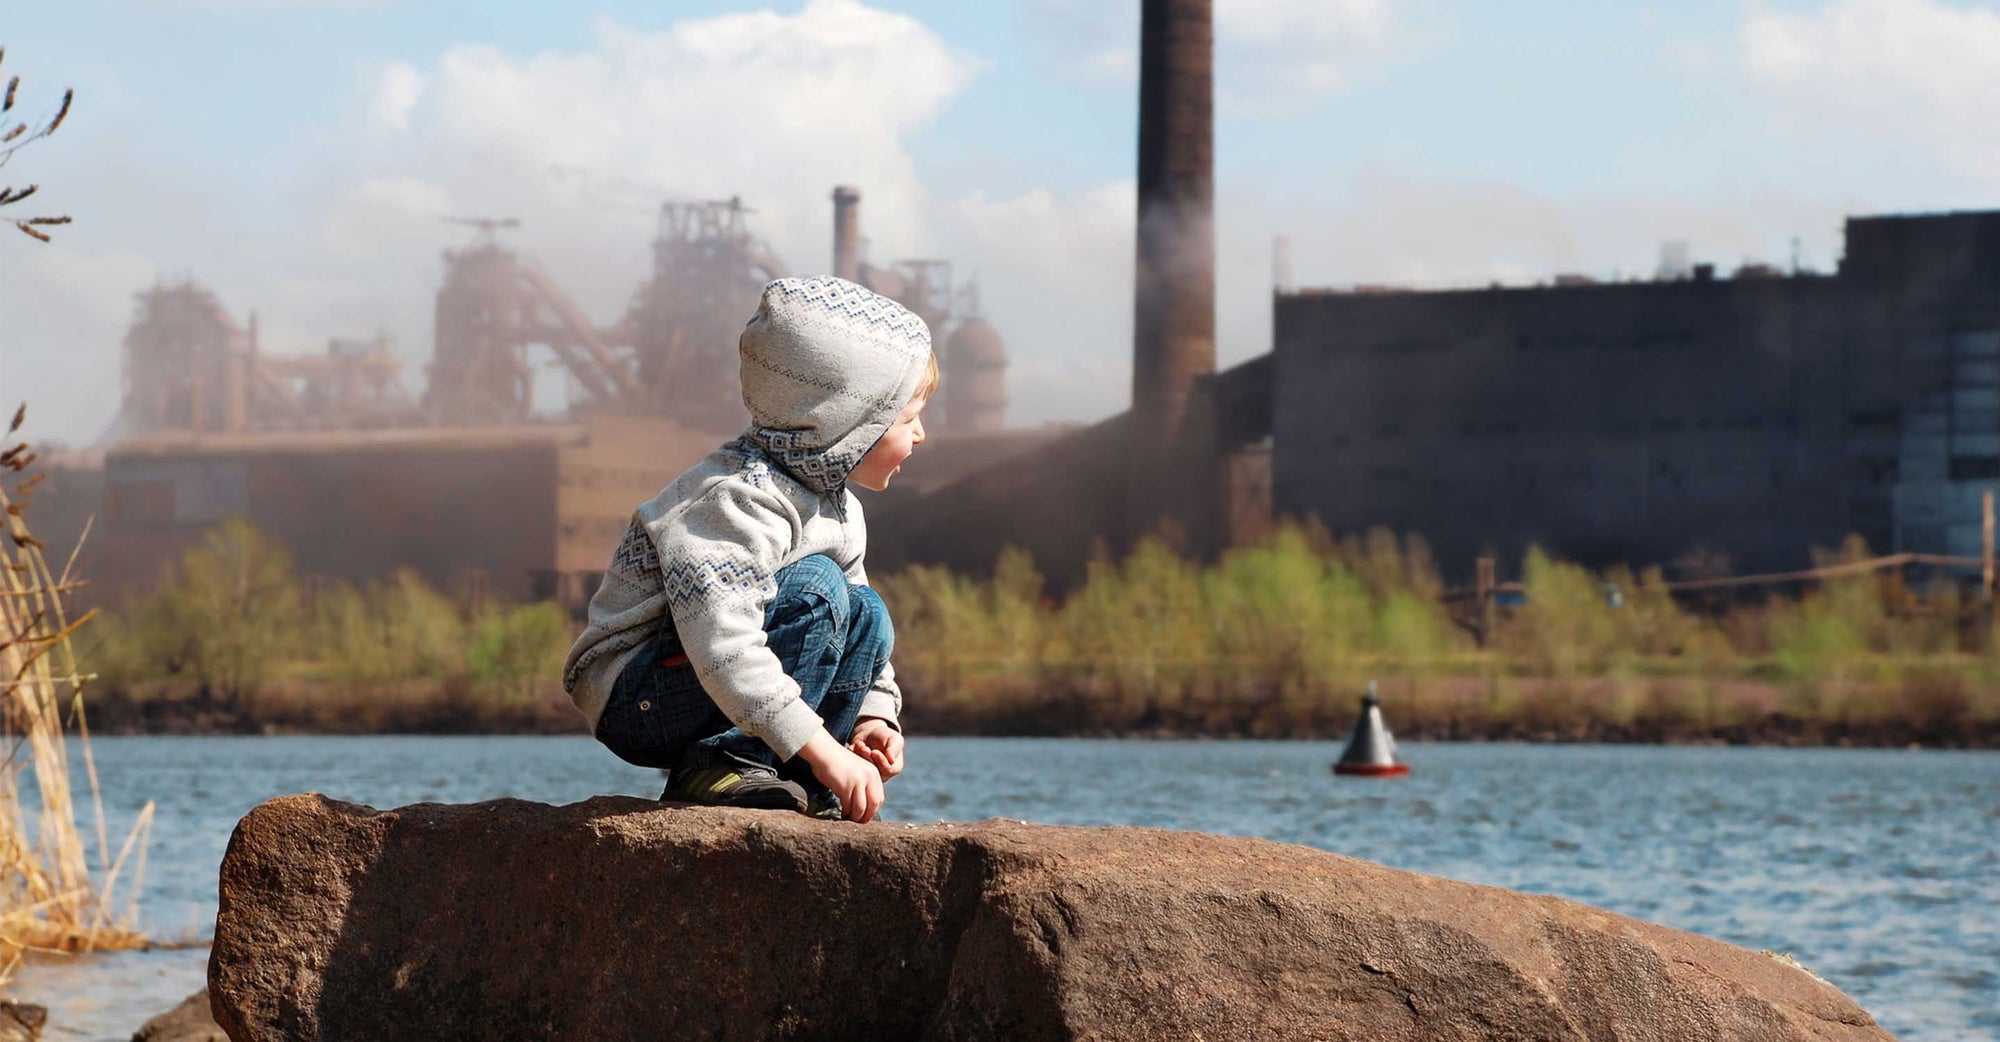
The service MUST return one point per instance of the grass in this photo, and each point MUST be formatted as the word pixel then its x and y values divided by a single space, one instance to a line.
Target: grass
pixel 52 899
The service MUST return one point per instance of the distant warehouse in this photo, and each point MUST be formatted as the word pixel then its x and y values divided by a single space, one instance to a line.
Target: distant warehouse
pixel 1754 415
pixel 516 512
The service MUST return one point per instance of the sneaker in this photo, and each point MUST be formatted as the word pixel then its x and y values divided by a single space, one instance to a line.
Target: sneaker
pixel 821 803
pixel 734 784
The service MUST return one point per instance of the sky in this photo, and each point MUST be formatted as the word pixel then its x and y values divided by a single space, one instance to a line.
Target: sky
pixel 294 156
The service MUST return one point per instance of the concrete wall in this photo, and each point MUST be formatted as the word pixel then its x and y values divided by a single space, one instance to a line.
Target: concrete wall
pixel 600 480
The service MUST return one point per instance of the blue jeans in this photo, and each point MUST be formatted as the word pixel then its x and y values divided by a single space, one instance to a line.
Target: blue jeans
pixel 832 637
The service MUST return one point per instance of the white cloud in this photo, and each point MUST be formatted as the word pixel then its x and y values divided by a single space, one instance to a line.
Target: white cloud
pixel 584 145
pixel 1887 73
pixel 400 89
pixel 1271 49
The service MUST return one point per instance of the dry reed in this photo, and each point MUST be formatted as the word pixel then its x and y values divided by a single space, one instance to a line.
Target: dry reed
pixel 50 899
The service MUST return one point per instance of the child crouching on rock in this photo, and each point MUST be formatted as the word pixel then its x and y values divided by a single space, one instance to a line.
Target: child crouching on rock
pixel 735 641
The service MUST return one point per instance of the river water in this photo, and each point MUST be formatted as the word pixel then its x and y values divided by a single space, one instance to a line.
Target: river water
pixel 1879 870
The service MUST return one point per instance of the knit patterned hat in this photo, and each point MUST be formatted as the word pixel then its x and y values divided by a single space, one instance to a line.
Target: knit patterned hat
pixel 827 365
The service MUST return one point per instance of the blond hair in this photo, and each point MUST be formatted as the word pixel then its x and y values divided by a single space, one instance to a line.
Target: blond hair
pixel 929 384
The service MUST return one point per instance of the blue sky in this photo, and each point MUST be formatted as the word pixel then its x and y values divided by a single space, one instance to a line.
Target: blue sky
pixel 291 154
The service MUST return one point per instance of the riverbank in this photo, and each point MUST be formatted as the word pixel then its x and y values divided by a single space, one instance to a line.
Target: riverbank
pixel 1465 709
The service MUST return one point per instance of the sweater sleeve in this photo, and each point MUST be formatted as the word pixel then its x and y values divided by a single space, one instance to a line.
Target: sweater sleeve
pixel 718 559
pixel 884 700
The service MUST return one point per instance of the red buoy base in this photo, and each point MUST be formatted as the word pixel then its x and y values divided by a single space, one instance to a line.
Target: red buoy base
pixel 1372 770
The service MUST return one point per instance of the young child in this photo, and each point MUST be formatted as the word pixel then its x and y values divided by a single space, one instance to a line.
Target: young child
pixel 735 641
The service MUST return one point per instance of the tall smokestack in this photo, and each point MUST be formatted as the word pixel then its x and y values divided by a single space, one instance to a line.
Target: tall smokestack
pixel 847 232
pixel 1173 328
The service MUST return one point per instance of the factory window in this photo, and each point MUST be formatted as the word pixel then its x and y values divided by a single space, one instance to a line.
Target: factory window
pixel 1873 418
pixel 1974 468
pixel 1976 343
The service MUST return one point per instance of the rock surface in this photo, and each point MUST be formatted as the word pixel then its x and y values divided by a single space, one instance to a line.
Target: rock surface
pixel 618 918
pixel 190 1021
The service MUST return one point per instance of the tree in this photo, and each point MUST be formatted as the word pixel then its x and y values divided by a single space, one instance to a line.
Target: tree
pixel 13 139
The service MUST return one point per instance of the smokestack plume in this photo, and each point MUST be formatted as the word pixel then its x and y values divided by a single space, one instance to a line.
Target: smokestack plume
pixel 847 233
pixel 1173 328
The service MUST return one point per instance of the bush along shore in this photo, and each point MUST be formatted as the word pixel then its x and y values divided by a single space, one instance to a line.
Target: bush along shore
pixel 232 640
pixel 1279 639
pixel 1272 640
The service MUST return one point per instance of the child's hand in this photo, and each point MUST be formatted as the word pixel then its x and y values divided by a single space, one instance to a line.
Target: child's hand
pixel 853 779
pixel 878 743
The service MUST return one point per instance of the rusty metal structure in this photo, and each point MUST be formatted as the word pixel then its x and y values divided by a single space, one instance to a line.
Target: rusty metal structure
pixel 189 366
pixel 331 454
pixel 974 400
pixel 491 311
pixel 708 271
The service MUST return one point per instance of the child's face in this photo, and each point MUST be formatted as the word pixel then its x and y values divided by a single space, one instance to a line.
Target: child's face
pixel 895 446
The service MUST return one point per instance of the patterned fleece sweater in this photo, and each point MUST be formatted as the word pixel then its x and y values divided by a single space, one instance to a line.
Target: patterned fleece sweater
pixel 826 367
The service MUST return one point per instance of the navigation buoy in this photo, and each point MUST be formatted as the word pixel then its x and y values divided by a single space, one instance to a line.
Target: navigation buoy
pixel 1371 751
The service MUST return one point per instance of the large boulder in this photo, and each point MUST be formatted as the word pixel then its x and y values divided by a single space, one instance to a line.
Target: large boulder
pixel 618 918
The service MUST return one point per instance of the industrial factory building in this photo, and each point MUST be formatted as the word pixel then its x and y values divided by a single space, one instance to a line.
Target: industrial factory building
pixel 1749 417
pixel 1753 415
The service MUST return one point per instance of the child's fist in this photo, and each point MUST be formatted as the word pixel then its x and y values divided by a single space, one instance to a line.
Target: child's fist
pixel 855 780
pixel 878 743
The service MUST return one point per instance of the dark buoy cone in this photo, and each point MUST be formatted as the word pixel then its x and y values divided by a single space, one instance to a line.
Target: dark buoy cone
pixel 1371 751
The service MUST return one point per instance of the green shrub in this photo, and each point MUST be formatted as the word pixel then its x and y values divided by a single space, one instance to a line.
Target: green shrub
pixel 516 651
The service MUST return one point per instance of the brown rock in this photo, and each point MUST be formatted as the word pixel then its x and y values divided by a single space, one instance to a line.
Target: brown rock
pixel 618 918
pixel 190 1021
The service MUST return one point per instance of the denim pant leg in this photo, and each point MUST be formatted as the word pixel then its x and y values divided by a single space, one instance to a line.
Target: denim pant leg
pixel 832 637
